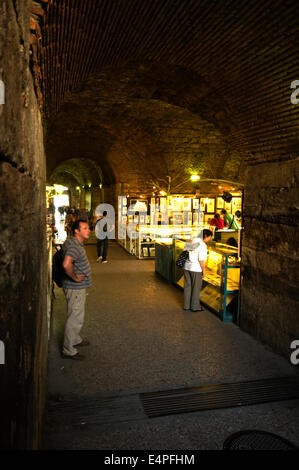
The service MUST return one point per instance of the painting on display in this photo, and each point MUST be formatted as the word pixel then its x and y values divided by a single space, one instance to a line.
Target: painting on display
pixel 220 203
pixel 186 204
pixel 236 204
pixel 144 251
pixel 207 204
pixel 228 207
pixel 152 251
pixel 177 218
pixel 177 204
pixel 163 204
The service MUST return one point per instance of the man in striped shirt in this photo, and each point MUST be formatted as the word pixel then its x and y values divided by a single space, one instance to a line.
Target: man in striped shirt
pixel 77 278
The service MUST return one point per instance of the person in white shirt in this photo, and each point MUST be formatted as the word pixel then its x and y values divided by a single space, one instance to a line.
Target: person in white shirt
pixel 194 270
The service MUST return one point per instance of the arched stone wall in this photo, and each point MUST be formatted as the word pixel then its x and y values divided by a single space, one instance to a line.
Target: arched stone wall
pixel 23 265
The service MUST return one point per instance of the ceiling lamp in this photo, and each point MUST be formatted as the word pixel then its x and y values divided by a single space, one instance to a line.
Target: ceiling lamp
pixel 195 177
pixel 227 197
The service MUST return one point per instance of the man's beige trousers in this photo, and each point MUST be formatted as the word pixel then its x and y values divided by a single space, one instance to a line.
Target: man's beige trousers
pixel 75 317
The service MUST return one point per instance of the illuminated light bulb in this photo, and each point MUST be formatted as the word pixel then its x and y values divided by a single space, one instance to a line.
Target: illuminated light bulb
pixel 163 193
pixel 220 187
pixel 195 177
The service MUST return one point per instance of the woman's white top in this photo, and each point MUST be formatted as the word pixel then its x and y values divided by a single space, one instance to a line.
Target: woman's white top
pixel 197 252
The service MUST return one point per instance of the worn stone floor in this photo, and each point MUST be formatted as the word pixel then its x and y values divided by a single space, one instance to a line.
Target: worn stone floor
pixel 142 340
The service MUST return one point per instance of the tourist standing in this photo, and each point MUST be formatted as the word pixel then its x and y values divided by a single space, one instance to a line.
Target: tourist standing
pixel 194 270
pixel 75 283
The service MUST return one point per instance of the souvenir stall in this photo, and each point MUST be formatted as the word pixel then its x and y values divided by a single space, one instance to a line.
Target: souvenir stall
pixel 222 280
pixel 144 222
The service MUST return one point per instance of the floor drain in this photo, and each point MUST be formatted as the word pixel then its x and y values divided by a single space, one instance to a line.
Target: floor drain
pixel 257 440
pixel 227 395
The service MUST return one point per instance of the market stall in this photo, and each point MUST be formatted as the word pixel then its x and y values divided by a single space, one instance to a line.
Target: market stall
pixel 143 222
pixel 221 283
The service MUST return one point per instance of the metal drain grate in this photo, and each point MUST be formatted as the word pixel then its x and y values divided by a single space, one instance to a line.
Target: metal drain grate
pixel 209 397
pixel 257 440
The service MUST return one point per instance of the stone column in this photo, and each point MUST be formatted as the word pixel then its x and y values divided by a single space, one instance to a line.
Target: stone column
pixel 270 256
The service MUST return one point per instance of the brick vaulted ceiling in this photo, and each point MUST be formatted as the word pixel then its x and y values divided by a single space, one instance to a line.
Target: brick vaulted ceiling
pixel 167 84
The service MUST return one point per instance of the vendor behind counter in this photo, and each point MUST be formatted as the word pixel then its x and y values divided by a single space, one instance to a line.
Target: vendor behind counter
pixel 230 220
pixel 226 228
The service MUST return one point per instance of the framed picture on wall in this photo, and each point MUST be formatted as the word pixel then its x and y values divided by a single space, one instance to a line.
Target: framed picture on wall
pixel 228 206
pixel 236 204
pixel 152 251
pixel 211 206
pixel 144 251
pixel 186 204
pixel 163 206
pixel 177 218
pixel 220 203
pixel 177 204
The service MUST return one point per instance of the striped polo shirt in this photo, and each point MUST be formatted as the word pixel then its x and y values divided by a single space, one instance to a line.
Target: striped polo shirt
pixel 73 248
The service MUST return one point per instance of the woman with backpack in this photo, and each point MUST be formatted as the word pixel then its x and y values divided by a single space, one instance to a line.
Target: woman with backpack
pixel 194 270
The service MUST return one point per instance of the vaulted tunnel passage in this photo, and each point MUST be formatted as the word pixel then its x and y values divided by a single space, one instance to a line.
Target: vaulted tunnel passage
pixel 135 136
pixel 126 93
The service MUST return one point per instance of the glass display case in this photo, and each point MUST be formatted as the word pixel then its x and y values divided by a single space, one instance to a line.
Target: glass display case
pixel 164 258
pixel 145 247
pixel 222 280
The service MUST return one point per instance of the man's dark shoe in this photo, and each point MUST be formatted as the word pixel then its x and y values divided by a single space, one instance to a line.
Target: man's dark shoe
pixel 75 357
pixel 84 342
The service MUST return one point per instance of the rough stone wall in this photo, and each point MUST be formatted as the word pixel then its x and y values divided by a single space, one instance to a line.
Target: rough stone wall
pixel 23 259
pixel 270 255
